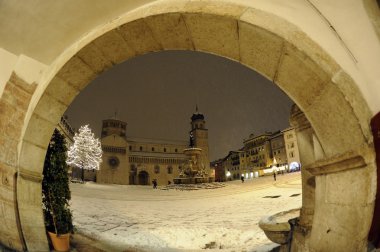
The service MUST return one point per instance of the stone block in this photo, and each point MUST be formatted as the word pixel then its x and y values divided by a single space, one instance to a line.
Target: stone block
pixel 77 73
pixel 300 77
pixel 214 34
pixel 332 119
pixel 27 87
pixel 353 95
pixel 11 242
pixel 32 157
pixel 7 182
pixel 29 195
pixel 259 49
pixel 8 151
pixel 50 109
pixel 62 91
pixel 35 238
pixel 215 8
pixel 171 31
pixel 349 187
pixel 16 96
pixel 114 47
pixel 93 57
pixel 293 35
pixel 169 6
pixel 39 131
pixel 340 227
pixel 140 37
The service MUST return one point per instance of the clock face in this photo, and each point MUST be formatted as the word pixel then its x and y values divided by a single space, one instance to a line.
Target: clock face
pixel 113 162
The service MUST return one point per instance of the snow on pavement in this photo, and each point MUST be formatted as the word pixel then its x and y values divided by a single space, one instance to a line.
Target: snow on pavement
pixel 139 218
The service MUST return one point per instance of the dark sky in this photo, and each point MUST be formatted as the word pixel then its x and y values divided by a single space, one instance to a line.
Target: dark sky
pixel 156 95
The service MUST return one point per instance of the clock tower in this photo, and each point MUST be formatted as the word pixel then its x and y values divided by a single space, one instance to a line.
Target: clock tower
pixel 199 136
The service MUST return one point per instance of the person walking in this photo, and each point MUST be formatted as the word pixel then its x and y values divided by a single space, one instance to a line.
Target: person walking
pixel 242 178
pixel 274 176
pixel 154 183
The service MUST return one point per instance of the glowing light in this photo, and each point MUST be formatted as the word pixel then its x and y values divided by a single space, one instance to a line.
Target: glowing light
pixel 228 174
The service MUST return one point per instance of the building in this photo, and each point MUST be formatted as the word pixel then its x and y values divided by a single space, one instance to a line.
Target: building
pixel 258 153
pixel 291 148
pixel 220 173
pixel 261 155
pixel 280 160
pixel 231 165
pixel 137 161
pixel 66 130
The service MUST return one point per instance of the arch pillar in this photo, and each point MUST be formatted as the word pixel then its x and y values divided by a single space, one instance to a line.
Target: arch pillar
pixel 344 201
pixel 305 141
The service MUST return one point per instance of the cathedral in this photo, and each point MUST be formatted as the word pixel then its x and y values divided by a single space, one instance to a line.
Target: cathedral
pixel 134 161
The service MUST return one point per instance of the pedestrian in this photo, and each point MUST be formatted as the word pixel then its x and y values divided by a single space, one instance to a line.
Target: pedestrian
pixel 242 178
pixel 154 183
pixel 274 175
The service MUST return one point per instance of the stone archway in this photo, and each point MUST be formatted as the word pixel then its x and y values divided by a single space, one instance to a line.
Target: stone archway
pixel 332 104
pixel 143 178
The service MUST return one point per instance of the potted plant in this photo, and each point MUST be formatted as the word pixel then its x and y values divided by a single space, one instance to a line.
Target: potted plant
pixel 56 193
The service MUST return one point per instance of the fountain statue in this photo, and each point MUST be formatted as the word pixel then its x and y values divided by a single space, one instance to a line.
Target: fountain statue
pixel 193 169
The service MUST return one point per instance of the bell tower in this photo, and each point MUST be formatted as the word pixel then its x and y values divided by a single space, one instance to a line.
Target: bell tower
pixel 114 127
pixel 199 135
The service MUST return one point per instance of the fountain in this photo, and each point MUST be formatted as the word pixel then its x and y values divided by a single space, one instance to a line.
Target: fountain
pixel 193 171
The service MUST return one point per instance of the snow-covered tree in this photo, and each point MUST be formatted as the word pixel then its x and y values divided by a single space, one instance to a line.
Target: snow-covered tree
pixel 86 152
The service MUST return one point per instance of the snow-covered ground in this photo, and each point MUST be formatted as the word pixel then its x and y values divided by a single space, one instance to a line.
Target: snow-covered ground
pixel 139 218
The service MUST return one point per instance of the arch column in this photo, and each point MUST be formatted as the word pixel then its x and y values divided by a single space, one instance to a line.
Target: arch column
pixel 305 141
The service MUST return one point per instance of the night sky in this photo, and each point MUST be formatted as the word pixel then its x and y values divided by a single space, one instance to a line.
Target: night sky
pixel 156 95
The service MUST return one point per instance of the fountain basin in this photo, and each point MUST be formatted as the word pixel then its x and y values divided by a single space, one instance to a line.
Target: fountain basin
pixel 276 227
pixel 191 180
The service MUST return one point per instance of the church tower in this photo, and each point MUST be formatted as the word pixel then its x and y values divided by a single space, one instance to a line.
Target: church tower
pixel 199 136
pixel 114 127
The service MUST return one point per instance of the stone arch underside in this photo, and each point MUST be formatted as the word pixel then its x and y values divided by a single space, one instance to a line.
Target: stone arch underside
pixel 262 41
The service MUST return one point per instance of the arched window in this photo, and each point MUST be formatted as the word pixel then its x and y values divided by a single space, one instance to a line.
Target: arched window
pixel 170 170
pixel 133 168
pixel 156 169
pixel 140 148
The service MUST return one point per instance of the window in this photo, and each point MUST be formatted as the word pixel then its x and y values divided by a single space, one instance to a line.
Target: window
pixel 130 147
pixel 152 148
pixel 291 154
pixel 156 169
pixel 164 149
pixel 140 148
pixel 170 170
pixel 176 150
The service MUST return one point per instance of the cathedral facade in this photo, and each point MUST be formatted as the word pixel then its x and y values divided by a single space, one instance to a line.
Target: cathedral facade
pixel 136 161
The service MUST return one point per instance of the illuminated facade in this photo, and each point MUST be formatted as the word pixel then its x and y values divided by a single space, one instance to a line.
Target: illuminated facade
pixel 137 161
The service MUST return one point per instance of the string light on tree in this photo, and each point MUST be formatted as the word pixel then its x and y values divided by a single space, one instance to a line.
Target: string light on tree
pixel 86 152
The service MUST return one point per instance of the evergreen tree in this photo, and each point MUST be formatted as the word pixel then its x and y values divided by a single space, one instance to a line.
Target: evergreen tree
pixel 86 152
pixel 55 187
